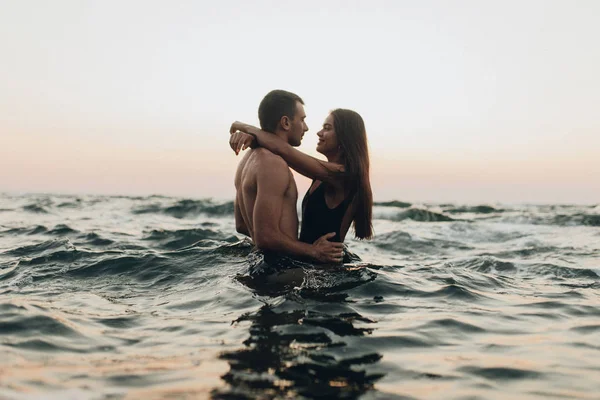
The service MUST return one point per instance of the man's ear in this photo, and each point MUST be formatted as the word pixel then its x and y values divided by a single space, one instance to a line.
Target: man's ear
pixel 285 123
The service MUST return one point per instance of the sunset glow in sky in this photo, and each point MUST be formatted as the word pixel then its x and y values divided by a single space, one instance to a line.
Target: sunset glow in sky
pixel 464 101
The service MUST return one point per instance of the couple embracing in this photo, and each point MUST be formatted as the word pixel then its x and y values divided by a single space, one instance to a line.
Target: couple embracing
pixel 266 194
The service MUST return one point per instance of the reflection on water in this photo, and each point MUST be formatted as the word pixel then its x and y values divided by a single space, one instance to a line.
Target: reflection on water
pixel 298 352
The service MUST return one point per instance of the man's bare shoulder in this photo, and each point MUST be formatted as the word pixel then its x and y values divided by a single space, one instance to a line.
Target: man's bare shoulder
pixel 270 168
pixel 265 158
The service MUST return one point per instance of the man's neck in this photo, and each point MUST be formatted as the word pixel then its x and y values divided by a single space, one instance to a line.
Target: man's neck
pixel 280 133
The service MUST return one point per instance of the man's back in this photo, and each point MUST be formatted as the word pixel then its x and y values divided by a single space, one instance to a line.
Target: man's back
pixel 265 178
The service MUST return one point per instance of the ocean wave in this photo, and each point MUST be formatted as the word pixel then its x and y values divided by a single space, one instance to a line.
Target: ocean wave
pixel 27 326
pixel 473 233
pixel 47 345
pixel 35 208
pixel 452 325
pixel 404 243
pixel 240 248
pixel 487 264
pixel 186 208
pixel 501 373
pixel 25 231
pixel 587 329
pixel 456 291
pixel 148 209
pixel 577 219
pixel 181 238
pixel 544 269
pixel 394 203
pixel 530 251
pixel 482 209
pixel 63 261
pixel 94 239
pixel 8 271
pixel 57 230
pixel 62 230
pixel 41 249
pixel 383 288
pixel 145 267
pixel 420 215
pixel 75 203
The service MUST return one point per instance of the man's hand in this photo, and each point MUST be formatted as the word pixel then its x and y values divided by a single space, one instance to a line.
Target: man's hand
pixel 241 141
pixel 326 251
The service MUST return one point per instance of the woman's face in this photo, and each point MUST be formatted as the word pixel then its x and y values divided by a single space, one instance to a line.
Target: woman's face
pixel 328 143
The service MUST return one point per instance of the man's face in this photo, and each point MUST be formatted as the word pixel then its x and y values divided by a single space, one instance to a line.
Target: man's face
pixel 298 126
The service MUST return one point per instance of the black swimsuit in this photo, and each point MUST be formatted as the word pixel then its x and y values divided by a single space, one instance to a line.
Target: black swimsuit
pixel 318 219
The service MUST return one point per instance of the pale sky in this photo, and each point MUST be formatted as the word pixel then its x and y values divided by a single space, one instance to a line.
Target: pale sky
pixel 464 101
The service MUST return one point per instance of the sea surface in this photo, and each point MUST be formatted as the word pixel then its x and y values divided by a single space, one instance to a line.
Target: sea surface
pixel 145 297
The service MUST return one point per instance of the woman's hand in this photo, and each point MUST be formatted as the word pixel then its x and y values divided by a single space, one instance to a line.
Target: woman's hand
pixel 241 141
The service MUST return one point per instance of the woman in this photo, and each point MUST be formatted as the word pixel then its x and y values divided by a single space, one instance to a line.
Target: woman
pixel 340 193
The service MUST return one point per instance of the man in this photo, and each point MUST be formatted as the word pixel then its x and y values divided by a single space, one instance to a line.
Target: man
pixel 266 193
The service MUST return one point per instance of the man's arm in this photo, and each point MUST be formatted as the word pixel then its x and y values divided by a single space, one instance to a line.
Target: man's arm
pixel 240 225
pixel 273 179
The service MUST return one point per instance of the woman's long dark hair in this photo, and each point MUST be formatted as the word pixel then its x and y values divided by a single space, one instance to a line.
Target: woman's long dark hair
pixel 352 137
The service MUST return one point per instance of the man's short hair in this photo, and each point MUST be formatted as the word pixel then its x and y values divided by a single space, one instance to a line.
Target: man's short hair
pixel 275 105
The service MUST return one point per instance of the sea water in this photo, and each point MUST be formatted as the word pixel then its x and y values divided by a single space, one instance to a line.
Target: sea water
pixel 144 297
